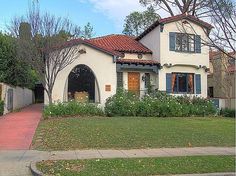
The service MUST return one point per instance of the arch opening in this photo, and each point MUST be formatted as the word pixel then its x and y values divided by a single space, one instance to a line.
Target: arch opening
pixel 82 85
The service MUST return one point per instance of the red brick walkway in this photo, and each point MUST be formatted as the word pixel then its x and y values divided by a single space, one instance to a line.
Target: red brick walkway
pixel 17 129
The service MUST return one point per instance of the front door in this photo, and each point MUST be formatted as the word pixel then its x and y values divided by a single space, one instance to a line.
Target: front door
pixel 134 82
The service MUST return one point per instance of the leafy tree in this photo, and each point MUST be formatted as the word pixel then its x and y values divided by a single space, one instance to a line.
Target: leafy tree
pixel 137 22
pixel 12 70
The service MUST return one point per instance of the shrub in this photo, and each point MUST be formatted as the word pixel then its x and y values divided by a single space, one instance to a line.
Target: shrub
pixel 157 104
pixel 72 108
pixel 227 112
pixel 1 107
pixel 123 103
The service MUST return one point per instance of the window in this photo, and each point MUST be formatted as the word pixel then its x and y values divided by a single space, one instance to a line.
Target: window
pixel 147 80
pixel 185 42
pixel 182 83
pixel 119 79
pixel 211 92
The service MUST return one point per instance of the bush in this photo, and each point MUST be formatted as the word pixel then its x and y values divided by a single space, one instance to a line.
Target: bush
pixel 72 108
pixel 123 103
pixel 227 112
pixel 1 107
pixel 157 104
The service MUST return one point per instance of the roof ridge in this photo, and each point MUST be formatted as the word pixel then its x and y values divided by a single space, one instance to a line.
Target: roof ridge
pixel 109 35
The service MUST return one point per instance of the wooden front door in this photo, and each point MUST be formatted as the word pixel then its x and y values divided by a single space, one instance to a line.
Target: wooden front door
pixel 134 82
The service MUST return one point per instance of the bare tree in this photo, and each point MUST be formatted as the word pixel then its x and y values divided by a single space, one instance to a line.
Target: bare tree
pixel 42 42
pixel 174 7
pixel 222 14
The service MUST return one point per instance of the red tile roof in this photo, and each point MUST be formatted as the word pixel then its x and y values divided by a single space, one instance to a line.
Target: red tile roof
pixel 189 17
pixel 93 45
pixel 172 19
pixel 231 68
pixel 137 61
pixel 120 43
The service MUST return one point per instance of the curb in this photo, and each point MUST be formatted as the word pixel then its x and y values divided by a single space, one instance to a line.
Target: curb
pixel 34 170
pixel 209 174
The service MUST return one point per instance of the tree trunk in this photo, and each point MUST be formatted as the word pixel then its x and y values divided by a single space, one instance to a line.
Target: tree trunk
pixel 50 98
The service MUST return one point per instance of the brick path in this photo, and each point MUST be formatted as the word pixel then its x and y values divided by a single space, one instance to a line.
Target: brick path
pixel 17 129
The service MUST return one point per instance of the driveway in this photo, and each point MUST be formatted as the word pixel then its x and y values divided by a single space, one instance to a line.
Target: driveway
pixel 17 129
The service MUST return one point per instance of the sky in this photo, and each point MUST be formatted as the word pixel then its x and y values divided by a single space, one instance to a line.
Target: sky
pixel 106 16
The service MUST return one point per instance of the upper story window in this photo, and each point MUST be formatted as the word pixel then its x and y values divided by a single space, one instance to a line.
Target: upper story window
pixel 183 42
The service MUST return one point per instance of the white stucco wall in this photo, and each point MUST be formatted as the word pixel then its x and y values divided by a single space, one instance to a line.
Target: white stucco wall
pixel 174 57
pixel 158 42
pixel 152 41
pixel 22 97
pixel 135 56
pixel 103 68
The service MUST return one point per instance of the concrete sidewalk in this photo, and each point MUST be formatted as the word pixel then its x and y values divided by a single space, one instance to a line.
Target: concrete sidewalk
pixel 16 162
pixel 33 155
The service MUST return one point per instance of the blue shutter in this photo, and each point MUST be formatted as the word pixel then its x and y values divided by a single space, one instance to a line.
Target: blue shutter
pixel 198 44
pixel 198 83
pixel 168 83
pixel 172 41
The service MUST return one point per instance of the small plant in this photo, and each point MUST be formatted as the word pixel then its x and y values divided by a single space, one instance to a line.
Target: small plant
pixel 72 108
pixel 1 107
pixel 227 112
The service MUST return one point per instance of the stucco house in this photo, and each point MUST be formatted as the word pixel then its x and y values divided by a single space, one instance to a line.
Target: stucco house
pixel 168 56
pixel 221 78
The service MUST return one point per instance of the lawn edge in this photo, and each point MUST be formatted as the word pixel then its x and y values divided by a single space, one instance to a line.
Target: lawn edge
pixel 34 170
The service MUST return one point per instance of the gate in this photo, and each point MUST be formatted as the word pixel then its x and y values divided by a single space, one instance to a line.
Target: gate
pixel 10 99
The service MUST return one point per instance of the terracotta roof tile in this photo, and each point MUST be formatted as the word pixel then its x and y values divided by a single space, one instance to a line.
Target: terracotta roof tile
pixel 137 61
pixel 92 44
pixel 120 43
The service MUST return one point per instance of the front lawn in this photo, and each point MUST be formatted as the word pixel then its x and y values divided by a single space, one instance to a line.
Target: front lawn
pixel 140 166
pixel 133 132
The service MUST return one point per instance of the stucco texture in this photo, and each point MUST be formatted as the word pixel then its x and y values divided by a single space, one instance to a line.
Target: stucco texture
pixel 102 66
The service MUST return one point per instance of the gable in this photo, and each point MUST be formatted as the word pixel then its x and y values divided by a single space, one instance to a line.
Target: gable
pixel 176 18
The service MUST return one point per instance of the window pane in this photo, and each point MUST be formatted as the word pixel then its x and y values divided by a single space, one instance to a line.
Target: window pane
pixel 190 83
pixel 191 43
pixel 178 42
pixel 185 42
pixel 182 82
pixel 147 80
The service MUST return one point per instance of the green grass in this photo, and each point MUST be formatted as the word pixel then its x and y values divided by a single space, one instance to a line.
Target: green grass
pixel 127 132
pixel 140 166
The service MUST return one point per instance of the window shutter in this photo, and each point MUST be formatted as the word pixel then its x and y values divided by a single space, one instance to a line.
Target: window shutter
pixel 119 79
pixel 172 41
pixel 198 44
pixel 168 82
pixel 198 83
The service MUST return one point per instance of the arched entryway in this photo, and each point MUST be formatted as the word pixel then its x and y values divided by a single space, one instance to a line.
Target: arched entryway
pixel 82 85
